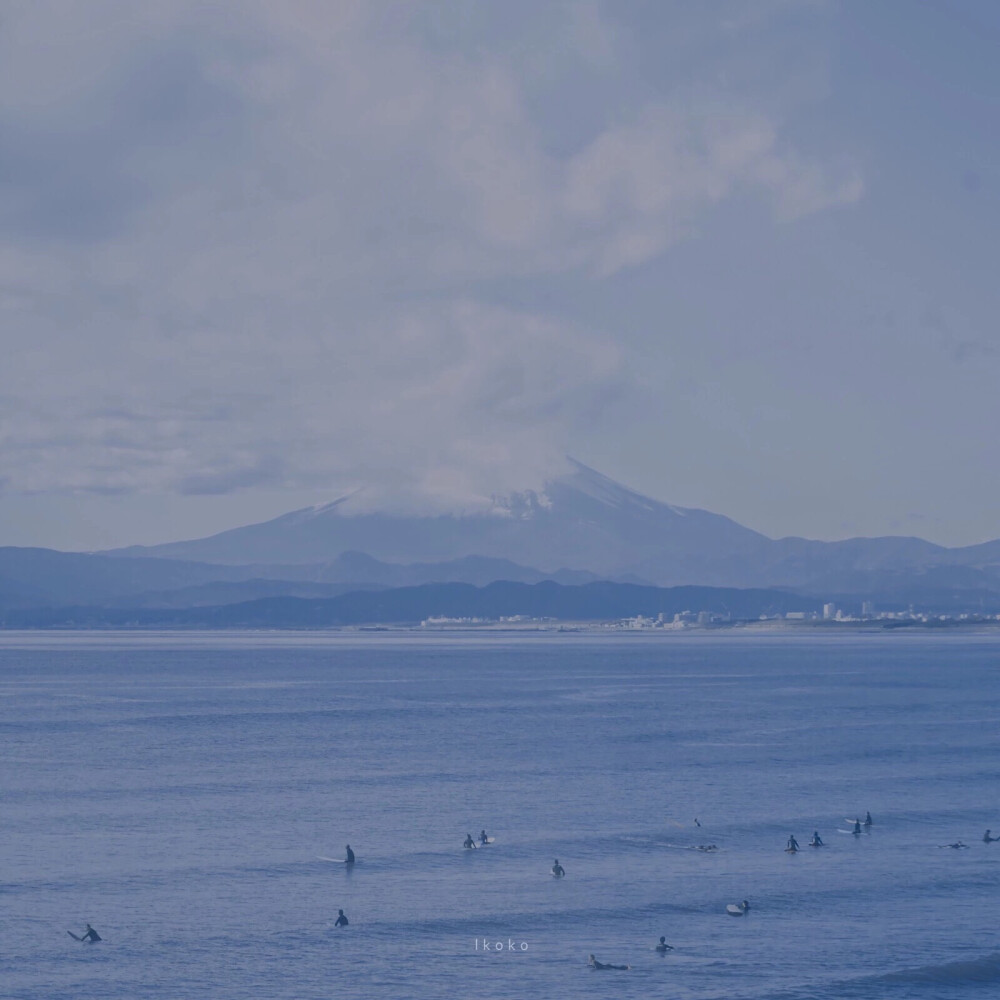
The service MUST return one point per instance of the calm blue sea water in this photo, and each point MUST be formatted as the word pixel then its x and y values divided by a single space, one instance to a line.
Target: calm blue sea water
pixel 176 790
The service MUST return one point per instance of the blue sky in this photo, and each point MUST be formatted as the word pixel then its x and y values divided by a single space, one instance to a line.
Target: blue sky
pixel 736 255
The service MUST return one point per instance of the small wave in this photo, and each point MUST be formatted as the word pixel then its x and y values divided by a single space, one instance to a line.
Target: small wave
pixel 978 970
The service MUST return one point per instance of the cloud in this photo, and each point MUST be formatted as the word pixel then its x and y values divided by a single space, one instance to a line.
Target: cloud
pixel 252 243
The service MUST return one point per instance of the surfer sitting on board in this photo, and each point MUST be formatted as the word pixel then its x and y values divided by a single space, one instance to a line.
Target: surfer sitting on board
pixel 987 839
pixel 594 964
pixel 868 819
pixel 89 935
pixel 483 839
pixel 857 828
pixel 663 946
pixel 349 860
pixel 793 844
pixel 469 842
pixel 341 919
pixel 817 840
pixel 558 870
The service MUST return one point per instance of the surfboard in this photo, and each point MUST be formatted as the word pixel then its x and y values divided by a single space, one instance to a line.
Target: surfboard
pixel 337 861
pixel 73 936
pixel 486 842
pixel 734 910
pixel 848 831
pixel 816 845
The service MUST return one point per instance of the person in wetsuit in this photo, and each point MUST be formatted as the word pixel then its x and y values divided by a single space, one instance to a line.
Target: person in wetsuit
pixel 483 839
pixel 987 839
pixel 594 964
pixel 557 869
pixel 469 842
pixel 90 936
pixel 341 919
pixel 349 860
pixel 817 840
pixel 857 828
pixel 793 844
pixel 868 819
pixel 663 946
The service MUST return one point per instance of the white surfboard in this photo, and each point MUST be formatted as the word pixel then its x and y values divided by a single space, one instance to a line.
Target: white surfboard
pixel 336 861
pixel 734 910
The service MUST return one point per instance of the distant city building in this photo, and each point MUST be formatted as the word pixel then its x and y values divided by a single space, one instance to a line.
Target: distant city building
pixel 867 609
pixel 829 611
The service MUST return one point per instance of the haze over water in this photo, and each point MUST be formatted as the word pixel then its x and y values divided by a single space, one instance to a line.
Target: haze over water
pixel 176 791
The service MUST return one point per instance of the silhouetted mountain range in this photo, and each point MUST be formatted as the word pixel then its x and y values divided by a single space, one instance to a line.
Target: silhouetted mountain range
pixel 581 529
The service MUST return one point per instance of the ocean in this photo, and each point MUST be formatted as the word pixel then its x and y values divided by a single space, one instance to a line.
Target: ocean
pixel 178 790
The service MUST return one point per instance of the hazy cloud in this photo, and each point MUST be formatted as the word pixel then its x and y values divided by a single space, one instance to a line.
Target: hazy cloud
pixel 250 243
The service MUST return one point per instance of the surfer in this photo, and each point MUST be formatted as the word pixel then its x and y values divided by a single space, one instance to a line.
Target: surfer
pixel 987 839
pixel 817 840
pixel 857 828
pixel 696 823
pixel 558 871
pixel 469 842
pixel 793 844
pixel 746 905
pixel 349 860
pixel 594 964
pixel 341 919
pixel 90 936
pixel 663 947
pixel 957 846
pixel 868 819
pixel 483 839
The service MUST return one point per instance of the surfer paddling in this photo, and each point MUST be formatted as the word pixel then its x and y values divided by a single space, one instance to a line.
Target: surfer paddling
pixel 594 964
pixel 89 936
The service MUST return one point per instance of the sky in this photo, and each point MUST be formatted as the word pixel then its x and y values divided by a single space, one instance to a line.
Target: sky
pixel 736 255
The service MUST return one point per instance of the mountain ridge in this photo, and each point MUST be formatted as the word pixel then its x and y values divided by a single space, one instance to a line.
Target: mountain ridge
pixel 582 522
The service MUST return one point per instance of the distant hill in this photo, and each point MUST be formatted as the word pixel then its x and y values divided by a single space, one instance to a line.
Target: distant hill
pixel 33 577
pixel 409 605
pixel 581 523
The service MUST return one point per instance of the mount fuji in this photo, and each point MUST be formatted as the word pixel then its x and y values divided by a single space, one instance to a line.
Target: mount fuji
pixel 586 522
